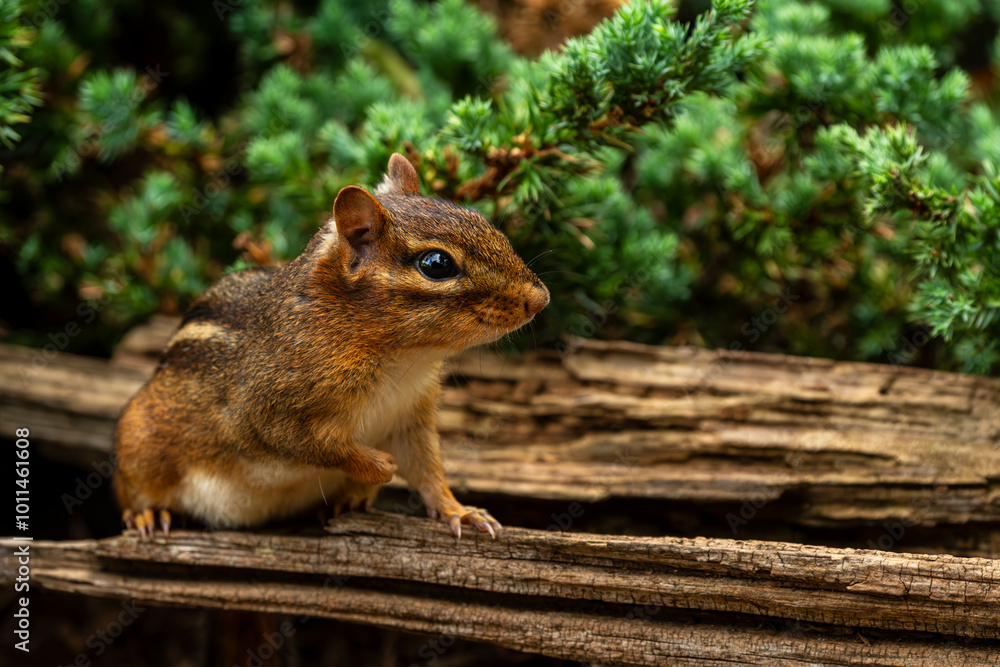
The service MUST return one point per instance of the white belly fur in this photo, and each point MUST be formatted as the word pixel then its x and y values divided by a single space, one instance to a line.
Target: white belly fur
pixel 256 492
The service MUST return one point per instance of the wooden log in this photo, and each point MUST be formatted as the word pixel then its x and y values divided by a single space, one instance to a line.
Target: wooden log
pixel 68 400
pixel 839 444
pixel 576 596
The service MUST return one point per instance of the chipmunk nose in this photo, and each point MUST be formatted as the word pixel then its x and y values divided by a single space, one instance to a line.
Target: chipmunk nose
pixel 538 298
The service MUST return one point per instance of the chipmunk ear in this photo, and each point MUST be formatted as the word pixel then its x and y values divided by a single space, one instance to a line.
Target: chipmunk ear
pixel 401 178
pixel 360 220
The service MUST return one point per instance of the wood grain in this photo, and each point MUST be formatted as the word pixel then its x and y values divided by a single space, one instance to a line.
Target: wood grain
pixel 577 596
pixel 837 444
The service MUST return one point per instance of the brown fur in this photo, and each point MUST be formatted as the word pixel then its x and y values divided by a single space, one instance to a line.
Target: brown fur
pixel 325 369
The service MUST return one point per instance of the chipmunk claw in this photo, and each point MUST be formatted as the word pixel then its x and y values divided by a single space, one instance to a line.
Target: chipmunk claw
pixel 475 517
pixel 145 522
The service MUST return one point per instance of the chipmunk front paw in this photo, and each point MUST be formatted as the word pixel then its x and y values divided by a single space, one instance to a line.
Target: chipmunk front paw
pixel 373 467
pixel 457 516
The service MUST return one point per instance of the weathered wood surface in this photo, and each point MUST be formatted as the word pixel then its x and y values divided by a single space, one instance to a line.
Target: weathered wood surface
pixel 589 597
pixel 841 443
pixel 66 400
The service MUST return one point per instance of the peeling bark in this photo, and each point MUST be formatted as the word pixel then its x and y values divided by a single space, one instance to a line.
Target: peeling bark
pixel 854 444
pixel 622 600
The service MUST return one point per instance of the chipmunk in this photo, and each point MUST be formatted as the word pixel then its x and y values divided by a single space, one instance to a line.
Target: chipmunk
pixel 320 379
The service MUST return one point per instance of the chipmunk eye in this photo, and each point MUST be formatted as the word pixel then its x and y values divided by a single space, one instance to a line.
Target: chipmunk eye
pixel 436 265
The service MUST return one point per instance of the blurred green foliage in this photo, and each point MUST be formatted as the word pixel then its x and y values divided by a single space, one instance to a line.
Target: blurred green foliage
pixel 18 84
pixel 812 178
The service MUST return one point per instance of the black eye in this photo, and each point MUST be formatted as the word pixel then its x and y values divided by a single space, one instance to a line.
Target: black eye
pixel 436 265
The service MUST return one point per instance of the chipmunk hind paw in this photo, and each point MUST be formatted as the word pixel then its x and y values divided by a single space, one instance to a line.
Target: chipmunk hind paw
pixel 145 521
pixel 354 497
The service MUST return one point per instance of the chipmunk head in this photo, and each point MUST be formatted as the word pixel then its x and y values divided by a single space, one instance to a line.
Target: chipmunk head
pixel 427 272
